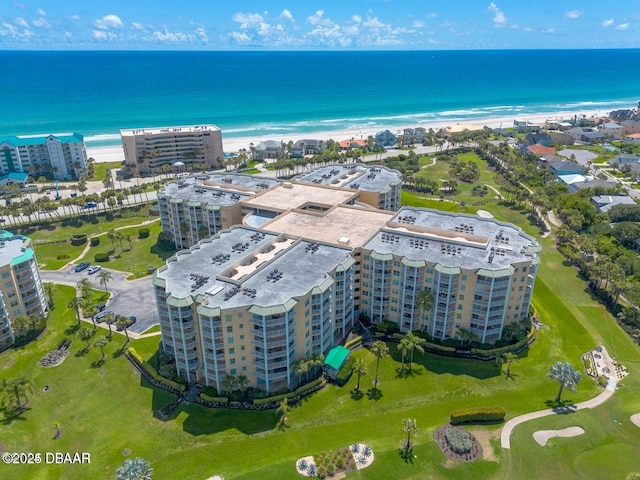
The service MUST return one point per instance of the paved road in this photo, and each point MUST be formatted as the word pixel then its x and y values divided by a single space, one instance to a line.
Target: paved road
pixel 128 297
pixel 505 435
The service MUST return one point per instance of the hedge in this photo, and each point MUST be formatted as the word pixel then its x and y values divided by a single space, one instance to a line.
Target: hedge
pixel 509 348
pixel 353 342
pixel 143 233
pixel 207 398
pixel 298 391
pixel 477 414
pixel 152 372
pixel 79 239
pixel 95 241
pixel 345 372
pixel 434 347
pixel 101 257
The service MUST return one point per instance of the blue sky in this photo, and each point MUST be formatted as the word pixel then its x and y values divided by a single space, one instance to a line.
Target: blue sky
pixel 316 24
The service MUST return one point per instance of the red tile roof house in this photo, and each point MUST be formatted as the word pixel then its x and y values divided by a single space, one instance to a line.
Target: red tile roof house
pixel 538 149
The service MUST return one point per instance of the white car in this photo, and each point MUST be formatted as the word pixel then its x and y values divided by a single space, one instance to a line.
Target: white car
pixel 94 269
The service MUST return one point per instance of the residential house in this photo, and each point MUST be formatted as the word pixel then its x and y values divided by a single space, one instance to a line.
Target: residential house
pixel 538 149
pixel 632 138
pixel 586 134
pixel 352 143
pixel 541 138
pixel 565 168
pixel 604 203
pixel 629 127
pixel 307 146
pixel 592 183
pixel 268 149
pixel 385 138
pixel 619 161
pixel 611 130
pixel 420 134
pixel 562 139
pixel 525 127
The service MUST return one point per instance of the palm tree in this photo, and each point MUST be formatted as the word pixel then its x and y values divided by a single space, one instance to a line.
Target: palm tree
pixel 105 277
pixel 85 333
pixel 300 366
pixel 465 335
pixel 242 381
pixel 136 469
pixel 509 358
pixel 122 323
pixel 414 343
pixel 76 303
pixel 49 291
pixel 283 409
pixel 101 342
pixel 15 391
pixel 410 427
pixel 85 287
pixel 403 346
pixel 360 369
pixel 565 375
pixel 229 383
pixel 424 301
pixel 110 319
pixel 379 349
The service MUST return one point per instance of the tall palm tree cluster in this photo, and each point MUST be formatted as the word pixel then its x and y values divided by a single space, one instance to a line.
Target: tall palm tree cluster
pixel 308 365
pixel 407 345
pixel 16 393
pixel 231 384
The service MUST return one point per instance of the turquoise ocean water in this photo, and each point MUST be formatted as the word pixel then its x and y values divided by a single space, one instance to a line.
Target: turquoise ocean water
pixel 277 93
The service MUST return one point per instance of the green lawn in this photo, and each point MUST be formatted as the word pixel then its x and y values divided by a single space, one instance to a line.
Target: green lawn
pixel 106 408
pixel 47 253
pixel 134 258
pixel 100 169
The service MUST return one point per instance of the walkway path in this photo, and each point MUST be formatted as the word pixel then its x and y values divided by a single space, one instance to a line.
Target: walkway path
pixel 594 402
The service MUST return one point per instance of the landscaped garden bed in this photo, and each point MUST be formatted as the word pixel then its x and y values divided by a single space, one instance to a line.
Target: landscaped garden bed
pixel 335 464
pixel 457 444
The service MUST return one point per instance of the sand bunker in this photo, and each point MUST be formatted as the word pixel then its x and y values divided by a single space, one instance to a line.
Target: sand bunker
pixel 635 419
pixel 484 214
pixel 543 436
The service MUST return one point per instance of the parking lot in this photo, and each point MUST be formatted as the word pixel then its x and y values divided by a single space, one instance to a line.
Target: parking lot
pixel 128 298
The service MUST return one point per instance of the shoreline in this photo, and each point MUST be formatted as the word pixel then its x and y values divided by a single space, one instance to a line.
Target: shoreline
pixel 115 153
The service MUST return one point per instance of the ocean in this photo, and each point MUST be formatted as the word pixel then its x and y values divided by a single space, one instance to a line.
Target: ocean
pixel 97 93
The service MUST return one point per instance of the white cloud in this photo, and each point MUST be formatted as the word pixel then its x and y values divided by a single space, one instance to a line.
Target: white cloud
pixel 418 24
pixel 356 18
pixel 109 21
pixel 549 30
pixel 104 35
pixel 41 12
pixel 573 14
pixel 170 37
pixel 40 23
pixel 201 33
pixel 21 22
pixel 622 26
pixel 137 26
pixel 318 19
pixel 247 20
pixel 375 23
pixel 74 17
pixel 499 20
pixel 240 38
pixel 608 23
pixel 432 15
pixel 286 15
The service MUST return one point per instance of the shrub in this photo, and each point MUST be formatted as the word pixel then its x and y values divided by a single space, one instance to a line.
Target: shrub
pixel 165 242
pixel 148 368
pixel 95 241
pixel 79 239
pixel 213 398
pixel 458 440
pixel 210 391
pixel 345 372
pixel 143 233
pixel 388 327
pixel 353 342
pixel 101 257
pixel 62 256
pixel 477 414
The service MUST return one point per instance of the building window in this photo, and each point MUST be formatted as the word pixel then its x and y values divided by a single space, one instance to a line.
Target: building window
pixel 232 361
pixel 233 371
pixel 229 340
pixel 5 274
pixel 232 351
pixel 241 347
pixel 241 337
pixel 229 329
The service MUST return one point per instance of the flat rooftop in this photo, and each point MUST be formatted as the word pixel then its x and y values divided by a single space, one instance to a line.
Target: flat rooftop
pixel 354 223
pixel 12 249
pixel 356 176
pixel 244 267
pixel 162 130
pixel 294 195
pixel 453 240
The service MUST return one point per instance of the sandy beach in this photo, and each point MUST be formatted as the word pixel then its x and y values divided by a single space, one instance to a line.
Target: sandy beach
pixel 234 144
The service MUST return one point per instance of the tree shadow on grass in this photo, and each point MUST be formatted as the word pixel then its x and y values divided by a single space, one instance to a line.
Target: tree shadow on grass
pixel 374 394
pixel 82 352
pixel 562 407
pixel 97 363
pixel 414 372
pixel 11 416
pixel 406 454
pixel 357 394
pixel 72 329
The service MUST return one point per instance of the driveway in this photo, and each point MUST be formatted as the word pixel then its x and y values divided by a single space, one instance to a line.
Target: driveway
pixel 128 297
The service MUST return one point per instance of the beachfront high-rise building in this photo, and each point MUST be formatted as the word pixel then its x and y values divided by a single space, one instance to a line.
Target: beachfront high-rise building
pixel 59 156
pixel 199 206
pixel 21 290
pixel 147 149
pixel 310 258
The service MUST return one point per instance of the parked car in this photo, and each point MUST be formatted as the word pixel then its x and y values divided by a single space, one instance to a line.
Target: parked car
pixel 133 319
pixel 102 314
pixel 101 306
pixel 94 269
pixel 81 266
pixel 90 205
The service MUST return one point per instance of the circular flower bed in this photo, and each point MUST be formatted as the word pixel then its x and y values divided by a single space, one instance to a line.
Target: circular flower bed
pixel 457 444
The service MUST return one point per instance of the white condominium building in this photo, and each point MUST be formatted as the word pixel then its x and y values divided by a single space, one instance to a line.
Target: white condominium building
pixel 147 149
pixel 21 290
pixel 59 156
